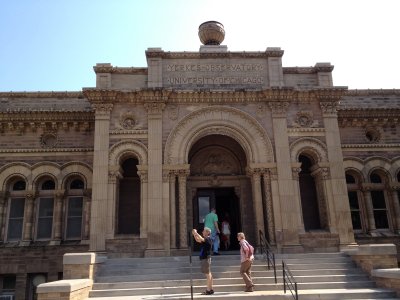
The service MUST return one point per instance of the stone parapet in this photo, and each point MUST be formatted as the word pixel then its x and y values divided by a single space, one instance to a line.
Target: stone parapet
pixel 72 289
pixel 374 256
pixel 81 265
pixel 388 278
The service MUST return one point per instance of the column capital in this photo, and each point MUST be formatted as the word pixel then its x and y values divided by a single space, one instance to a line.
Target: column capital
pixel 295 172
pixel 322 172
pixel 394 186
pixel 279 108
pixel 366 187
pixel 154 107
pixel 114 174
pixel 143 174
pixel 183 173
pixel 59 194
pixel 102 108
pixel 329 108
pixel 31 195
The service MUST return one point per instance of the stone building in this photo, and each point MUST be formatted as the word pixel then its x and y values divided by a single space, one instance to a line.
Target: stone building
pixel 128 167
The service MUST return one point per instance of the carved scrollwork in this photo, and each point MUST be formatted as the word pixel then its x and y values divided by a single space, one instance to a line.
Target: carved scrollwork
pixel 173 111
pixel 279 108
pixel 154 107
pixel 49 140
pixel 102 108
pixel 329 107
pixel 128 121
pixel 295 172
pixel 305 119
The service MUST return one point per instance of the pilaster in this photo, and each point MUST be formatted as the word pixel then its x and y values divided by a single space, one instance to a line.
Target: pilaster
pixel 155 223
pixel 255 175
pixel 366 190
pixel 329 101
pixel 269 210
pixel 3 197
pixel 288 198
pixel 182 179
pixel 100 176
pixel 58 207
pixel 114 174
pixel 28 224
pixel 395 188
pixel 144 179
pixel 172 200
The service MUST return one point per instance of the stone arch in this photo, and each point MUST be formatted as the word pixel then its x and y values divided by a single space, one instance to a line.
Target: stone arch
pixel 121 149
pixel 374 163
pixel 76 168
pixel 395 168
pixel 45 169
pixel 311 146
pixel 15 169
pixel 219 120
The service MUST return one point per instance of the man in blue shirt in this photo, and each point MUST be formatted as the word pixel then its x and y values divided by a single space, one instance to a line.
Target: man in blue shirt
pixel 211 221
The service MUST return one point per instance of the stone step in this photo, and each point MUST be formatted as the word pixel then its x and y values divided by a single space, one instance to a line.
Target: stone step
pixel 226 281
pixel 337 294
pixel 143 277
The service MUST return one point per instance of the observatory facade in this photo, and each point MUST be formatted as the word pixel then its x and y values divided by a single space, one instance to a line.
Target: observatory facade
pixel 130 166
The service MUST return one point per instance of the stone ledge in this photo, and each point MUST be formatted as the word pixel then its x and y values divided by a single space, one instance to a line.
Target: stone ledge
pixel 64 286
pixel 393 273
pixel 82 258
pixel 373 249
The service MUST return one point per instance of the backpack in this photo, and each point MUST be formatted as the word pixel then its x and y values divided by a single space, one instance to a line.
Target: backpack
pixel 251 249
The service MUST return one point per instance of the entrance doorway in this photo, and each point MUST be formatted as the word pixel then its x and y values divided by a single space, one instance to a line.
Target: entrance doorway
pixel 227 207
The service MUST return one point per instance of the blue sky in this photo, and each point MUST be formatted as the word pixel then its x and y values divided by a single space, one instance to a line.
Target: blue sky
pixel 53 44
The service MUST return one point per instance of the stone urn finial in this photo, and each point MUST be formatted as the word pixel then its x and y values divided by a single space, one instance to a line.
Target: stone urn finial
pixel 211 33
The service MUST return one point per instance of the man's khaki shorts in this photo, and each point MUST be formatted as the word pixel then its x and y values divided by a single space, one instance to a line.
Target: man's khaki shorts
pixel 205 265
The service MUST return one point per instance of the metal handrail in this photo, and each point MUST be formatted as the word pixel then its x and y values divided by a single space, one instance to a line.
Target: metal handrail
pixel 269 255
pixel 289 282
pixel 190 263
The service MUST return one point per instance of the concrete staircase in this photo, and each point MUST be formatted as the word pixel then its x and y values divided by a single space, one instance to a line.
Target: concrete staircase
pixel 319 276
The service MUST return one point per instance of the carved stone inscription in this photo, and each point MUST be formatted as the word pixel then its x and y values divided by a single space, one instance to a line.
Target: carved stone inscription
pixel 215 73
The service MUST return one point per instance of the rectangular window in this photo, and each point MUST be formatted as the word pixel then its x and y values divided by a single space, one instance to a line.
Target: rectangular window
pixel 45 218
pixel 74 218
pixel 7 285
pixel 380 212
pixel 355 210
pixel 16 219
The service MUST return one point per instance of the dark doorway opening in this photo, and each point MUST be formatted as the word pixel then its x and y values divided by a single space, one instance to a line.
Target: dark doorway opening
pixel 227 207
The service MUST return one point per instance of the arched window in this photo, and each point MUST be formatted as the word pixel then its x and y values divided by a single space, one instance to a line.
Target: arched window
pixel 45 210
pixel 308 193
pixel 379 201
pixel 16 210
pixel 75 207
pixel 353 193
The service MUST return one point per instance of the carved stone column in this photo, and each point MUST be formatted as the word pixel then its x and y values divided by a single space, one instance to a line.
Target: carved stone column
pixel 114 174
pixel 3 197
pixel 295 175
pixel 329 101
pixel 269 211
pixel 395 188
pixel 370 209
pixel 182 179
pixel 58 216
pixel 172 207
pixel 28 224
pixel 98 218
pixel 255 175
pixel 143 175
pixel 155 229
pixel 87 194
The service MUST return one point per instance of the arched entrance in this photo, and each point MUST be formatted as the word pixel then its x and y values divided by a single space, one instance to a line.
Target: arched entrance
pixel 217 177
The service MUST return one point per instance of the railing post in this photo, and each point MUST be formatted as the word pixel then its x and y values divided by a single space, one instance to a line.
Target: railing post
pixel 273 259
pixel 284 279
pixel 295 286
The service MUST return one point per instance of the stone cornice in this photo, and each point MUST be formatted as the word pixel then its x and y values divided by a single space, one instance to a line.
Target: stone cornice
pixel 307 70
pixel 119 70
pixel 371 146
pixel 129 131
pixel 357 119
pixel 100 95
pixel 50 94
pixel 375 92
pixel 47 150
pixel 25 115
pixel 198 55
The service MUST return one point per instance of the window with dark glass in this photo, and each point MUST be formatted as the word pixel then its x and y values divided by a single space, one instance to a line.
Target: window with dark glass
pixel 77 184
pixel 355 210
pixel 48 185
pixel 74 218
pixel 20 185
pixel 380 211
pixel 375 178
pixel 45 218
pixel 7 284
pixel 350 179
pixel 16 219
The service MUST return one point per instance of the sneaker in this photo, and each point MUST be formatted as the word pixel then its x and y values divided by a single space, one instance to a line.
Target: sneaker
pixel 249 290
pixel 210 292
pixel 216 253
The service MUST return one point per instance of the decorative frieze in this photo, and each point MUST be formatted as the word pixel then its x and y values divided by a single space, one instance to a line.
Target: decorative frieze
pixel 329 107
pixel 279 108
pixel 154 107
